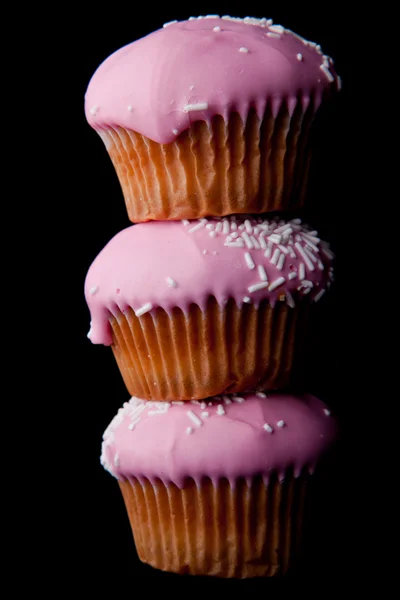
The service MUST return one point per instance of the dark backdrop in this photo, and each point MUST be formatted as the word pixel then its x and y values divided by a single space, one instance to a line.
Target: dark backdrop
pixel 94 534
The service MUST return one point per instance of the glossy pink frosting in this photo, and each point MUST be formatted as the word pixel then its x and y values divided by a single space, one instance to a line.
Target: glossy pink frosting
pixel 229 64
pixel 175 264
pixel 254 436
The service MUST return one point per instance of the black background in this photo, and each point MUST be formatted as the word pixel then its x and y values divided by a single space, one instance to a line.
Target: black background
pixel 93 535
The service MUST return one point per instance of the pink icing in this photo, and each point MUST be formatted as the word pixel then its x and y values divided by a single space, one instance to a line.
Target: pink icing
pixel 175 264
pixel 146 85
pixel 152 440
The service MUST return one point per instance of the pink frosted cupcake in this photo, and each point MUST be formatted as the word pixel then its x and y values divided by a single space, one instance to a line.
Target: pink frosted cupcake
pixel 219 488
pixel 211 116
pixel 195 309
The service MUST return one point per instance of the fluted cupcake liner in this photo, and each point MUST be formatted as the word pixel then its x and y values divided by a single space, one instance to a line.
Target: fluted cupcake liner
pixel 218 168
pixel 227 349
pixel 253 529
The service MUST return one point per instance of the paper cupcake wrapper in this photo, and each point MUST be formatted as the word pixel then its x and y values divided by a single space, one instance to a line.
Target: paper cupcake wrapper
pixel 251 530
pixel 206 353
pixel 220 168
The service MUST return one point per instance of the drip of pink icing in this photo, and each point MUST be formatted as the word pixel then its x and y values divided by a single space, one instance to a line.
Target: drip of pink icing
pixel 146 85
pixel 168 265
pixel 151 440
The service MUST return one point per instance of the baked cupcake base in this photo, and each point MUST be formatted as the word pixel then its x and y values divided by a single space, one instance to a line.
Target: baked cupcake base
pixel 251 530
pixel 205 353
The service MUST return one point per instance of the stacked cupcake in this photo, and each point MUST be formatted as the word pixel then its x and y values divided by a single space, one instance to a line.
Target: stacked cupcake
pixel 205 300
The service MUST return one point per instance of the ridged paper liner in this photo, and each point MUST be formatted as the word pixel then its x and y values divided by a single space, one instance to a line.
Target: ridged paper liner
pixel 251 530
pixel 219 168
pixel 205 353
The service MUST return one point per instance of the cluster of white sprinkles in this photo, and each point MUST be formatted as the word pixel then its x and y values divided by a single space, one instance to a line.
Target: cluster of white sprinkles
pixel 274 32
pixel 276 240
pixel 132 413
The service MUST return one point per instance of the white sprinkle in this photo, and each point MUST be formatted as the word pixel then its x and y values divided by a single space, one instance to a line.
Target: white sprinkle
pixel 306 259
pixel 247 240
pixel 89 334
pixel 220 410
pixel 292 275
pixel 247 300
pixel 320 265
pixel 116 460
pixel 268 428
pixel 255 242
pixel 205 414
pixel 256 231
pixel 310 254
pixel 218 226
pixel 233 226
pixel 319 295
pixel 289 299
pixel 283 249
pixel 238 244
pixel 234 235
pixel 283 229
pixel 171 282
pixel 249 260
pixel 185 222
pixel 169 23
pixel 296 221
pixel 177 402
pixel 262 241
pixel 276 283
pixel 311 245
pixel 306 283
pixel 292 252
pixel 327 253
pixel 339 83
pixel 275 256
pixel 276 239
pixel 228 239
pixel 241 227
pixel 225 226
pixel 327 72
pixel 131 426
pixel 130 108
pixel 302 271
pixel 248 226
pixel 262 274
pixel 258 286
pixel 238 399
pixel 193 107
pixel 212 234
pixel 143 309
pixel 205 251
pixel 137 411
pixel 277 29
pixel 327 412
pixel 273 35
pixel 299 56
pixel 281 262
pixel 311 237
pixel 94 110
pixel 243 49
pixel 93 290
pixel 191 87
pixel 193 417
pixel 216 28
pixel 175 131
pixel 197 227
pixel 210 226
pixel 281 424
pixel 189 430
pixel 261 394
pixel 226 400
